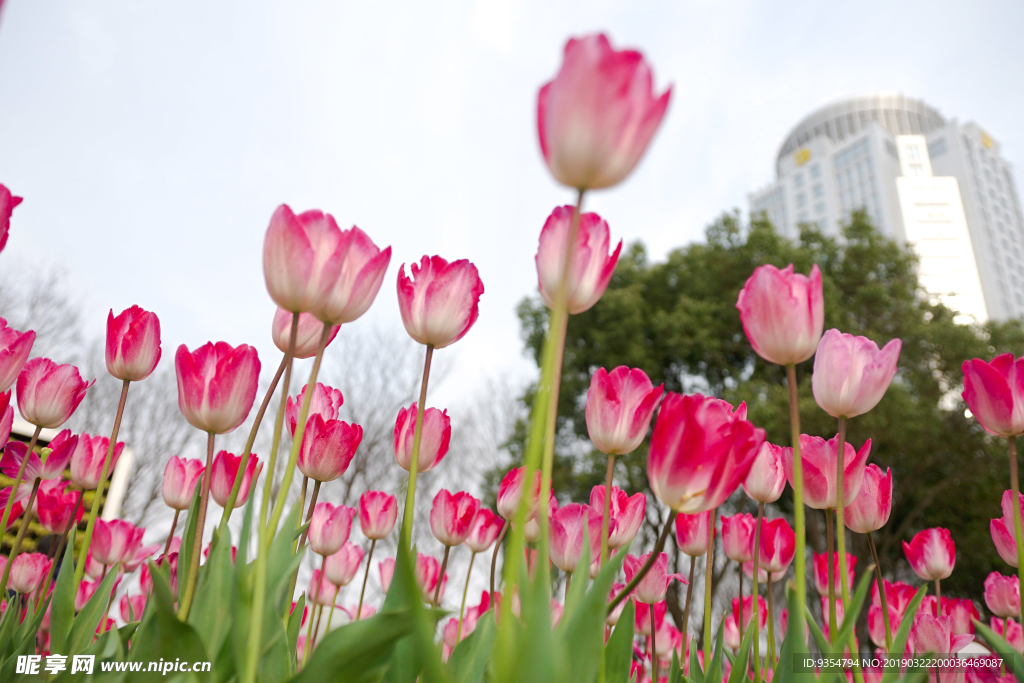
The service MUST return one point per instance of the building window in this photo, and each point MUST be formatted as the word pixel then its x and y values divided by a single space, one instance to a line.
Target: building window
pixel 819 191
pixel 801 200
pixel 819 208
pixel 913 152
pixel 916 169
pixel 815 172
pixel 798 180
pixel 937 147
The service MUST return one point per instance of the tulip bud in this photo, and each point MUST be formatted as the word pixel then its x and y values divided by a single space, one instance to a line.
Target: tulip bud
pixel 14 346
pixel 7 204
pixel 931 553
pixel 133 344
pixel 782 313
pixel 341 567
pixel 870 510
pixel 216 385
pixel 820 460
pixel 302 257
pixel 114 540
pixel 327 448
pixel 643 616
pixel 62 447
pixel 994 394
pixel 428 573
pixel 307 340
pixel 620 405
pixel 87 460
pixel 452 515
pixel 767 477
pixel 329 527
pixel 387 570
pixel 653 587
pixel 321 590
pixel 821 571
pixel 692 533
pixel 626 514
pixel 591 268
pixel 851 374
pixel 180 478
pixel 439 302
pixel 567 530
pixel 596 118
pixel 778 546
pixel 1002 595
pixel 378 512
pixel 222 478
pixel 28 572
pixel 6 416
pixel 326 402
pixel 132 608
pixel 48 394
pixel 510 492
pixel 745 612
pixel 55 508
pixel 486 528
pixel 362 271
pixel 738 537
pixel 1011 631
pixel 434 437
pixel 1002 529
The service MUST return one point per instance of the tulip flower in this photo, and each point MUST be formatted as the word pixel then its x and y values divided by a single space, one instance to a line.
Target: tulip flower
pixel 114 540
pixel 568 525
pixel 327 448
pixel 963 613
pixel 322 591
pixel 876 624
pixel 510 493
pixel 326 402
pixel 620 405
pixel 1011 631
pixel 731 632
pixel 935 634
pixel 133 344
pixel 626 514
pixel 28 570
pixel 748 611
pixel 1002 529
pixel 767 477
pixel 590 271
pixel 386 568
pixel 13 459
pixel 653 587
pixel 341 567
pixel 307 340
pixel 613 616
pixel 532 527
pixel 329 527
pixel 180 478
pixel 378 512
pixel 362 271
pixel 452 515
pixel 439 301
pixel 87 460
pixel 994 393
pixel 931 554
pixel 15 347
pixel 700 452
pixel 783 313
pixel 6 416
pixel 302 258
pixel 131 608
pixel 738 537
pixel 643 616
pixel 223 473
pixel 851 374
pixel 1002 595
pixel 55 507
pixel 597 116
pixel 428 573
pixel 486 528
pixel 216 385
pixel 821 571
pixel 48 394
pixel 7 203
pixel 692 533
pixel 819 466
pixel 435 437
pixel 870 510
pixel 778 545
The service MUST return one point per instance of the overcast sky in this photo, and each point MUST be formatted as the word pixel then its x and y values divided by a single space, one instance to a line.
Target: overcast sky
pixel 152 141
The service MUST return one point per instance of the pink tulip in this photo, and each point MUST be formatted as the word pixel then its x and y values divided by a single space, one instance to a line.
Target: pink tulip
pixel 222 477
pixel 326 402
pixel 307 340
pixel 510 493
pixel 55 507
pixel 1002 595
pixel 820 458
pixel 386 568
pixel 327 448
pixel 935 634
pixel 643 616
pixel 692 533
pixel 428 573
pixel 778 545
pixel 700 452
pixel 452 515
pixel 995 393
pixel 86 589
pixel 302 258
pixel 367 612
pixel 329 527
pixel 738 537
pixel 322 591
pixel 1002 529
pixel 48 394
pixel 1011 631
pixel 378 512
pixel 439 300
pixel 851 374
pixel 870 510
pixel 7 203
pixel 731 632
pixel 748 611
pixel 931 553
pixel 486 528
pixel 597 116
pixel 114 540
pixel 590 272
pixel 613 616
pixel 134 559
pixel 63 447
pixel 821 571
pixel 783 313
pixel 362 271
pixel 216 385
pixel 341 567
pixel 626 514
pixel 568 525
pixel 963 613
pixel 876 624
pixel 180 478
pixel 653 587
pixel 28 572
pixel 87 460
pixel 6 416
pixel 767 477
pixel 133 344
pixel 532 527
pixel 132 608
pixel 14 349
pixel 620 405
pixel 435 437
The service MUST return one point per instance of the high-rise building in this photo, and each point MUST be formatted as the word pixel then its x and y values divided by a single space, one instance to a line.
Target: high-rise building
pixel 935 184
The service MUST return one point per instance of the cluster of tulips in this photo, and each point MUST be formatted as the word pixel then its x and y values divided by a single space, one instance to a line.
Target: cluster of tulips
pixel 595 120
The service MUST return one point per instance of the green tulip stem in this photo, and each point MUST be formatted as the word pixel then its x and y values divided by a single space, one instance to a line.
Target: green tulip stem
pixel 800 567
pixel 607 507
pixel 197 544
pixel 22 530
pixel 635 581
pixel 366 575
pixel 465 590
pixel 830 555
pixel 686 610
pixel 1017 531
pixel 880 582
pixel 17 481
pixel 756 593
pixel 709 570
pixel 414 460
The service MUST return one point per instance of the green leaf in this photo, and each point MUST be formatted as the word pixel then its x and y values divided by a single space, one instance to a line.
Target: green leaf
pixel 415 655
pixel 739 665
pixel 83 629
pixel 714 672
pixel 7 624
pixel 1003 648
pixel 817 634
pixel 295 623
pixel 673 669
pixel 188 540
pixel 358 652
pixel 469 660
pixel 582 637
pixel 794 644
pixel 619 652
pixel 62 608
pixel 899 641
pixel 696 672
pixel 852 611
pixel 211 610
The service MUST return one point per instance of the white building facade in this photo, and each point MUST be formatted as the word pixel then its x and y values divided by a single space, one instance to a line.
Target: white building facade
pixel 939 186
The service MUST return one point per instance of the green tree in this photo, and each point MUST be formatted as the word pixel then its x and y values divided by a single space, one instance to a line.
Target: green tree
pixel 678 322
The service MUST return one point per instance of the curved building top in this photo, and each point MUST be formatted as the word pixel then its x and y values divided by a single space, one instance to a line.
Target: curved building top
pixel 896 113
